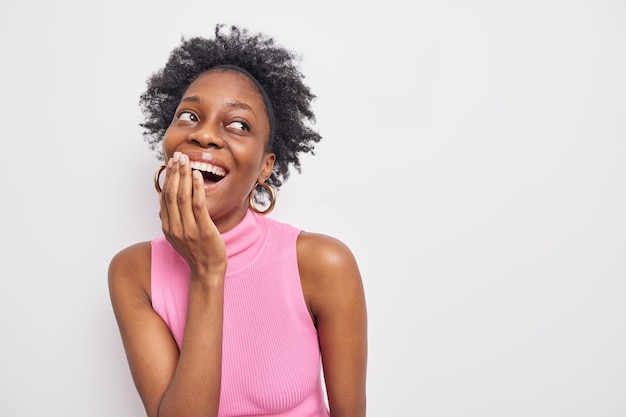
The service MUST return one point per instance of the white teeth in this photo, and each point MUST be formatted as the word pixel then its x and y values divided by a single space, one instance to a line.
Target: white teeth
pixel 203 166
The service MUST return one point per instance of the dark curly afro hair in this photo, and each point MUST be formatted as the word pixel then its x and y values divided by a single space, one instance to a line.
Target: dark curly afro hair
pixel 273 66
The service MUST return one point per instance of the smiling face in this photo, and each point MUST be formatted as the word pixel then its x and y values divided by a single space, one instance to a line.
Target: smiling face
pixel 222 125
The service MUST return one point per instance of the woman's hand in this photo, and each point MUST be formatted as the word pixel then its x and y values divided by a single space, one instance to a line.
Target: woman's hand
pixel 186 222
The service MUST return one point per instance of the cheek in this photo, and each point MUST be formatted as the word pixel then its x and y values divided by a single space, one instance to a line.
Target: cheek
pixel 255 158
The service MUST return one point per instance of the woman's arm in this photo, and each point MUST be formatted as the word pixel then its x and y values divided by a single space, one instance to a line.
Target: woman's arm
pixel 332 286
pixel 169 382
pixel 150 348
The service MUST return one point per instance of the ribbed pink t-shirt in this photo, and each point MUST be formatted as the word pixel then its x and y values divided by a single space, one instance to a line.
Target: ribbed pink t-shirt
pixel 270 352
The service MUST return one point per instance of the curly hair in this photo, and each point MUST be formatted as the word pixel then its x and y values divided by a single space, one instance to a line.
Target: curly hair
pixel 273 66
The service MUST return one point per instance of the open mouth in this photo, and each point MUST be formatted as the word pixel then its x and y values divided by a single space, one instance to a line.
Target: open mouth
pixel 210 173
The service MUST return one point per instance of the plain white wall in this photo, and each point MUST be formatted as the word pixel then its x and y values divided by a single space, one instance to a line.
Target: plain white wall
pixel 473 159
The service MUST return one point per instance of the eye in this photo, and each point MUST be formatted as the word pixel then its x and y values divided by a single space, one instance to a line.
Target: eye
pixel 187 116
pixel 238 125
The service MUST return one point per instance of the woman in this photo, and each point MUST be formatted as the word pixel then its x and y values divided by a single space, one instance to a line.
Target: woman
pixel 231 313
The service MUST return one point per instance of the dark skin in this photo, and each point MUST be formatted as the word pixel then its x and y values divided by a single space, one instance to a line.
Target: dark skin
pixel 222 119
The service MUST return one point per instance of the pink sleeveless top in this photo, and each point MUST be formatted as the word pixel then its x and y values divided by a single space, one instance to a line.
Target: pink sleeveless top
pixel 270 353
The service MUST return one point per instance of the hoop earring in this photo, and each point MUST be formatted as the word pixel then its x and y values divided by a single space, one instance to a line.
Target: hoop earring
pixel 272 193
pixel 157 174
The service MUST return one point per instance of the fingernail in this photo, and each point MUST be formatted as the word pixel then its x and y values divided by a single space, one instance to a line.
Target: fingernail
pixel 176 156
pixel 183 159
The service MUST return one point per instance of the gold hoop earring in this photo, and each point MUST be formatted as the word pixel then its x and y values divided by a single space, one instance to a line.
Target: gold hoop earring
pixel 157 174
pixel 272 194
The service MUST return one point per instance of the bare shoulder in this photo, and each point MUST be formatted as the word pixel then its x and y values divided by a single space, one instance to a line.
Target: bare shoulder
pixel 129 269
pixel 149 345
pixel 318 253
pixel 328 271
pixel 333 290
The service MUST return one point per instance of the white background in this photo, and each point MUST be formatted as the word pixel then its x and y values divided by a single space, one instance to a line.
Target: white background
pixel 473 159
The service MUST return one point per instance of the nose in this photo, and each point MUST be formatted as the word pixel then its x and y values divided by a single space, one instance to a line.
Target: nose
pixel 206 138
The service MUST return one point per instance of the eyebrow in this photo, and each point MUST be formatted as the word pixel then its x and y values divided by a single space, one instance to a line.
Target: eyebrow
pixel 192 99
pixel 238 104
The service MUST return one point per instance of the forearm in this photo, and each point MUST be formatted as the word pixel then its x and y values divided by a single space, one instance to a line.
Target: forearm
pixel 195 386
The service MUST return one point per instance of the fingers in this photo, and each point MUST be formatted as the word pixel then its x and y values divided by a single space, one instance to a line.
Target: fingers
pixel 171 216
pixel 183 202
pixel 202 218
pixel 184 195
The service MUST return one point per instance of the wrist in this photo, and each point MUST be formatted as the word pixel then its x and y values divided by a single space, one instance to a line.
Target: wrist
pixel 210 277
